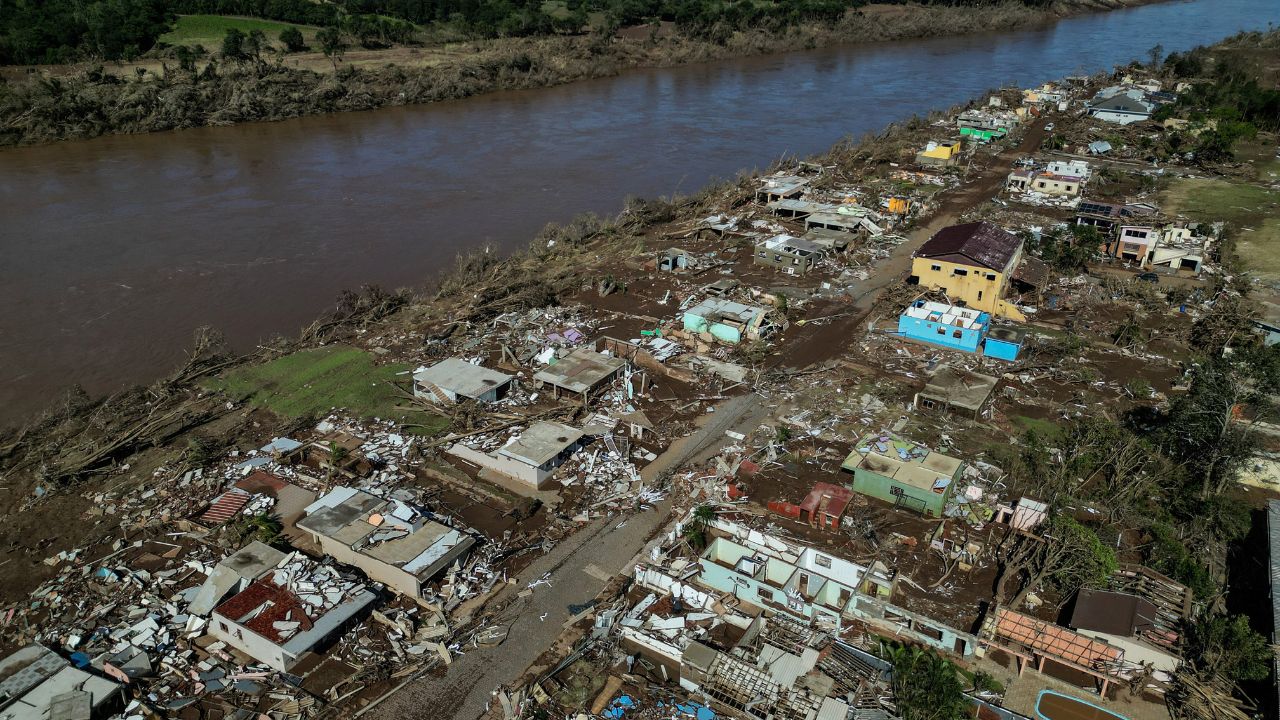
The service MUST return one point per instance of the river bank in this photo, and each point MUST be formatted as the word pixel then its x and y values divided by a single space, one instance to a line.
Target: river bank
pixel 127 243
pixel 154 96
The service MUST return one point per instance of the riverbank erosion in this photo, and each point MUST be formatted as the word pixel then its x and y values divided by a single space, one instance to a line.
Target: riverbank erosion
pixel 149 96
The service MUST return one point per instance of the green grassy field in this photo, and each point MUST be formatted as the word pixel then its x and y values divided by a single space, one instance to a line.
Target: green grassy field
pixel 208 30
pixel 311 382
pixel 1254 211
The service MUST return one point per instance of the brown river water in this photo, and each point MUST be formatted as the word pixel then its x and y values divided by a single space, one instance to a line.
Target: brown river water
pixel 112 251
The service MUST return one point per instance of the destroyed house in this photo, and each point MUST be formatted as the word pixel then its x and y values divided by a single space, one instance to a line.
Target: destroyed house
pixel 1107 216
pixel 1034 641
pixel 36 683
pixel 582 372
pixel 452 380
pixel 1128 622
pixel 813 586
pixel 808 585
pixel 957 391
pixel 530 457
pixel 233 573
pixel 1051 184
pixel 972 265
pixel 791 255
pixel 944 325
pixel 845 218
pixel 780 187
pixel 727 321
pixel 294 609
pixel 773 684
pixel 829 241
pixel 798 208
pixel 903 473
pixel 1004 343
pixel 390 541
pixel 939 154
pixel 1133 243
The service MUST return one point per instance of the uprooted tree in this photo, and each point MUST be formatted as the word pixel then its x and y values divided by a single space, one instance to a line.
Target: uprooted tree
pixel 1067 555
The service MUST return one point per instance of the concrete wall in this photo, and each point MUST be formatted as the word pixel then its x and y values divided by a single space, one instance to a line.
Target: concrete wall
pixel 393 577
pixel 939 334
pixel 979 288
pixel 532 476
pixel 1000 350
pixel 251 643
pixel 1054 186
pixel 881 487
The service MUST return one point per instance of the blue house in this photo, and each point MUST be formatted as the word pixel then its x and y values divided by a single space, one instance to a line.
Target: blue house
pixel 946 325
pixel 1003 343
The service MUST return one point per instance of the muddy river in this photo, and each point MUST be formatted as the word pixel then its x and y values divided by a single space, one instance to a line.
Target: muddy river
pixel 115 249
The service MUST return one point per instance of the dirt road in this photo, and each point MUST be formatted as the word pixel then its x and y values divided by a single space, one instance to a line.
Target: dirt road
pixel 579 568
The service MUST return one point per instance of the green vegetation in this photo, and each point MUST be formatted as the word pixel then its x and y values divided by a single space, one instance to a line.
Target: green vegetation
pixel 47 31
pixel 1253 211
pixel 1066 251
pixel 53 31
pixel 1227 646
pixel 263 527
pixel 209 30
pixel 308 383
pixel 925 686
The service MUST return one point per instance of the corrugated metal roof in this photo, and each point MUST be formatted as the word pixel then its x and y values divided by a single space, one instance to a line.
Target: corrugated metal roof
pixel 982 243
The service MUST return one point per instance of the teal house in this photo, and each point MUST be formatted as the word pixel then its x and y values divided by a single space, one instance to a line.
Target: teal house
pixel 727 321
pixel 902 473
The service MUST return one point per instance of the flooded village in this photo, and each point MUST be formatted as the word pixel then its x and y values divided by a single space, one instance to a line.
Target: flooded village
pixel 971 418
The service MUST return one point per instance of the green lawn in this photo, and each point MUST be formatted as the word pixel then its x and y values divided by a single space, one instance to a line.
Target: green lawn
pixel 1252 209
pixel 208 30
pixel 310 383
pixel 1044 428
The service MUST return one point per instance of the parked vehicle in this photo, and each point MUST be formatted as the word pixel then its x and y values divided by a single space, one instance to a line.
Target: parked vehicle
pixel 1149 277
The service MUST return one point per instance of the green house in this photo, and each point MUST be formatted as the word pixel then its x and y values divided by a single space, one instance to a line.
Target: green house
pixel 983 135
pixel 903 473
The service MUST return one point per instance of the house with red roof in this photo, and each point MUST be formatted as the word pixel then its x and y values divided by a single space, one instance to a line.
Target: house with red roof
pixel 291 609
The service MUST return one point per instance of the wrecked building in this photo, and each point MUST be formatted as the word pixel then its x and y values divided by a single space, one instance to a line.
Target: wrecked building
pixel 37 683
pixel 390 541
pixel 957 391
pixel 452 379
pixel 791 255
pixel 903 474
pixel 293 609
pixel 727 321
pixel 583 372
pixel 530 457
pixel 939 154
pixel 944 325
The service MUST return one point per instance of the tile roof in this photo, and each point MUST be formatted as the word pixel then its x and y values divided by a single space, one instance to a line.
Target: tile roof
pixel 979 244
pixel 1055 642
pixel 272 604
pixel 224 507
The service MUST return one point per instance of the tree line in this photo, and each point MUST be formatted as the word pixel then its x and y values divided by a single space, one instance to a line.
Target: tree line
pixel 59 31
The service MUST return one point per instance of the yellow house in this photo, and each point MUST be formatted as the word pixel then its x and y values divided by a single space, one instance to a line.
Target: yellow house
pixel 972 265
pixel 939 153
